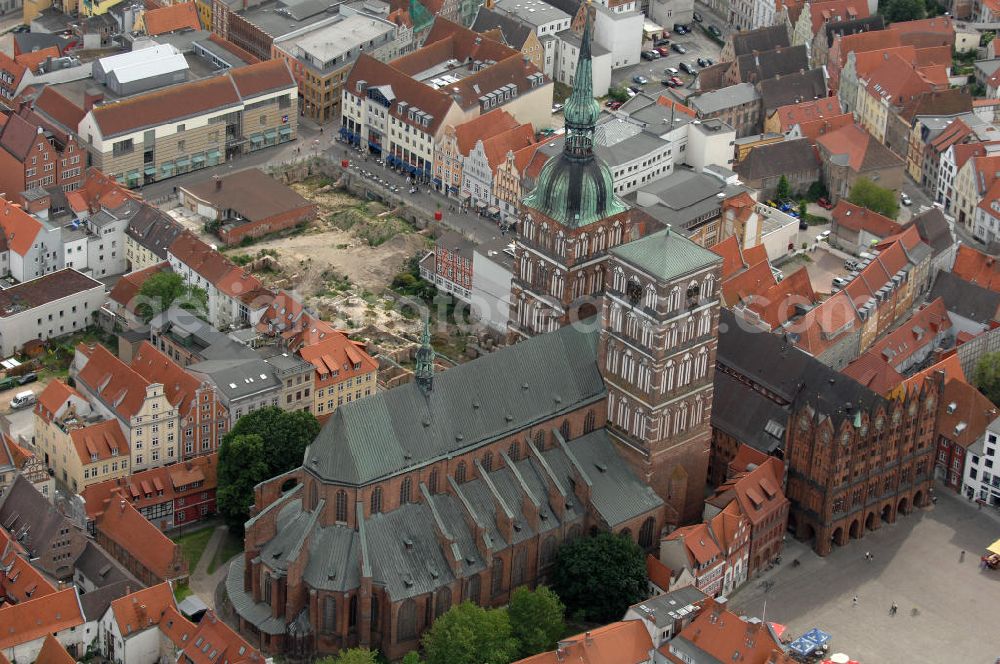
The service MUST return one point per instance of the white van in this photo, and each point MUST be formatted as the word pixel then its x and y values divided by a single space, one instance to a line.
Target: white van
pixel 23 400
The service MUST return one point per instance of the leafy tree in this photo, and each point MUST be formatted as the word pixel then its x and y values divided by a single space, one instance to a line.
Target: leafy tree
pixel 817 190
pixel 987 376
pixel 784 189
pixel 469 634
pixel 869 195
pixel 352 656
pixel 896 11
pixel 243 464
pixel 803 210
pixel 412 657
pixel 163 289
pixel 599 577
pixel 618 93
pixel 536 619
pixel 262 444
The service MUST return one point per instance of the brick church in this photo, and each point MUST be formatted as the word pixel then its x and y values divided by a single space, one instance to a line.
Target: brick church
pixel 461 486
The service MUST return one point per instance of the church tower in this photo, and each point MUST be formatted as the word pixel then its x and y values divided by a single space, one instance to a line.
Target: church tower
pixel 657 355
pixel 568 223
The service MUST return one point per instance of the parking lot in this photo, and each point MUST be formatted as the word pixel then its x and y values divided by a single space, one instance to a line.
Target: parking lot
pixel 823 266
pixel 696 43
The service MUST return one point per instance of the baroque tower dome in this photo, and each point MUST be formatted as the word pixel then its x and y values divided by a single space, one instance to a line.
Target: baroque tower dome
pixel 575 188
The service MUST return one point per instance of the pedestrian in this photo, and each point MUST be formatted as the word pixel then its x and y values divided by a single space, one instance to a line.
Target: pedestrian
pixel 893 609
pixel 855 602
pixel 961 557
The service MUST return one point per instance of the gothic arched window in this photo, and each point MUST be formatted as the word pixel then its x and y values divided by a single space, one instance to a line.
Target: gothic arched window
pixel 341 505
pixel 376 502
pixel 407 619
pixel 646 533
pixel 588 422
pixel 405 489
pixel 460 472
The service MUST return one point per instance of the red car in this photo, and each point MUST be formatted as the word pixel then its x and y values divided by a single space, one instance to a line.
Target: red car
pixel 614 105
pixel 676 81
pixel 824 203
pixel 663 50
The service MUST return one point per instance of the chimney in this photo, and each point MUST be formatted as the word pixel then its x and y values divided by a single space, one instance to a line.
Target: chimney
pixel 92 97
pixel 218 182
pixel 141 612
pixel 121 505
pixel 587 638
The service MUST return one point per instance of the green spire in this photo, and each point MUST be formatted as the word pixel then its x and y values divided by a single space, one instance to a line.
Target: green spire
pixel 582 110
pixel 425 360
pixel 419 15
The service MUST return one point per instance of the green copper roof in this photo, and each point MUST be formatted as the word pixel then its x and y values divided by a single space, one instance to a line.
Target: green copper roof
pixel 420 16
pixel 575 188
pixel 666 255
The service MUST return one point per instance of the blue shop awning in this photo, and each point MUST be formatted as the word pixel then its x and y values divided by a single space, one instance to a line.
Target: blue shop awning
pixel 343 131
pixel 452 188
pixel 437 181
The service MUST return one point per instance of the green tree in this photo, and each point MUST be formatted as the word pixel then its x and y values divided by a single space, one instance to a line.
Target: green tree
pixel 986 377
pixel 599 577
pixel 817 190
pixel 243 464
pixel 784 189
pixel 283 437
pixel 163 289
pixel 618 93
pixel 803 210
pixel 352 656
pixel 896 11
pixel 869 195
pixel 469 634
pixel 412 657
pixel 536 619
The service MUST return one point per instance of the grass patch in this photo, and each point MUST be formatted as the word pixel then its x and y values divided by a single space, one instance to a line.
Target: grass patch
pixel 182 591
pixel 816 220
pixel 231 546
pixel 193 545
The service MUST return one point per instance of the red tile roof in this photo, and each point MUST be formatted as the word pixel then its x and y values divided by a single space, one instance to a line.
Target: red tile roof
pixel 26 621
pixel 215 268
pixel 483 127
pixel 53 397
pixel 755 280
pixel 19 227
pixel 99 442
pixel 938 25
pixel 857 145
pixel 758 490
pixel 129 285
pixel 855 218
pixel 19 137
pixel 728 637
pixel 913 334
pixel 337 353
pixel 53 105
pixel 625 642
pixel 99 191
pixel 267 76
pixel 215 642
pixel 822 327
pixel 142 609
pixel 816 128
pixel 731 254
pixel 746 455
pixel 496 147
pixel 179 386
pixel 122 389
pixel 19 580
pixel 53 652
pixel 697 539
pixel 807 111
pixel 951 366
pixel 663 100
pixel 35 58
pixel 963 413
pixel 123 524
pixel 828 11
pixel 11 74
pixel 244 55
pixel 777 305
pixel 872 371
pixel 153 486
pixel 976 267
pixel 898 81
pixel 172 18
pixel 287 318
pixel 730 528
pixel 659 574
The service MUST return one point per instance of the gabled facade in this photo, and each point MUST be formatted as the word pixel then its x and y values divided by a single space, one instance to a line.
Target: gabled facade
pixel 30 157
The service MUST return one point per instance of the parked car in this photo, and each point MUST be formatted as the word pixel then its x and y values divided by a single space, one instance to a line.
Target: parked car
pixel 634 90
pixel 905 199
pixel 664 51
pixel 29 377
pixel 678 48
pixel 23 400
pixel 839 282
pixel 671 71
pixel 614 105
pixel 649 55
pixel 803 225
pixel 667 83
pixel 715 31
pixel 638 79
pixel 688 69
pixel 697 17
pixel 21 28
pixel 680 28
pixel 824 203
pixel 663 41
pixel 557 107
pixel 676 81
pixel 7 383
pixel 702 62
pixel 850 265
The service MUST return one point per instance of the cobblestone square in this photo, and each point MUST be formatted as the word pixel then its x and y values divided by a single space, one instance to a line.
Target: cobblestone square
pixel 916 565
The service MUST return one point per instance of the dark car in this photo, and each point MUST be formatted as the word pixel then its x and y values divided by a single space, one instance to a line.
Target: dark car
pixel 649 55
pixel 697 17
pixel 635 89
pixel 21 28
pixel 638 79
pixel 680 28
pixel 715 31
pixel 688 69
pixel 702 62
pixel 27 378
pixel 678 48
pixel 663 41
pixel 668 83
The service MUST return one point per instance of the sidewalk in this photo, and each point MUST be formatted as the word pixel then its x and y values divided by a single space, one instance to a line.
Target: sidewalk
pixel 201 582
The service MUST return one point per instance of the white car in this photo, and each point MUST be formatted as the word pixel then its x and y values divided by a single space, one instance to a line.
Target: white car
pixel 905 199
pixel 822 236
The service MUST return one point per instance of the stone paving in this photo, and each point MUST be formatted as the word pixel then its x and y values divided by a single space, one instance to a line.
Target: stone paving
pixel 916 565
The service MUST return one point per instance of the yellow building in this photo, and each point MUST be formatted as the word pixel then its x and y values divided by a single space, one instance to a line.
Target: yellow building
pixel 96 7
pixel 344 372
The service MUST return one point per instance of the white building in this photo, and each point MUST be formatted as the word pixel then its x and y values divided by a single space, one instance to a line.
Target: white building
pixel 547 22
pixel 982 467
pixel 778 230
pixel 710 142
pixel 492 272
pixel 55 305
pixel 568 53
pixel 669 12
pixel 620 33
